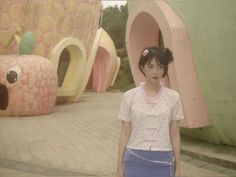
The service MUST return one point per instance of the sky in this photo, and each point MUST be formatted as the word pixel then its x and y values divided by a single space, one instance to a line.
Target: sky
pixel 107 3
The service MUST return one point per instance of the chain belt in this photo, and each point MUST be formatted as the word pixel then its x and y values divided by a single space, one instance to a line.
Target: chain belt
pixel 150 160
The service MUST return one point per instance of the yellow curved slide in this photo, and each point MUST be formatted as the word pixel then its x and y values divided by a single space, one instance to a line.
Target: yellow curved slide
pixel 101 65
pixel 74 67
pixel 71 54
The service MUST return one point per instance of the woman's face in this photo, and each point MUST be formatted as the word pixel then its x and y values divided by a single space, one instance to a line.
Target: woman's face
pixel 153 71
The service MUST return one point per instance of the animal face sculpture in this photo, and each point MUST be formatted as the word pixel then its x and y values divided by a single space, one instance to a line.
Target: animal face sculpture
pixel 28 85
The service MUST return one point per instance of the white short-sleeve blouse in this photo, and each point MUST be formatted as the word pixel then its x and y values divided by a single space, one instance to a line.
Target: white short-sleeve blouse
pixel 150 117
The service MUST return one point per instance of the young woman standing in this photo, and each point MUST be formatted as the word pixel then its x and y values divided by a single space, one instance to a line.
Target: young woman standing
pixel 149 144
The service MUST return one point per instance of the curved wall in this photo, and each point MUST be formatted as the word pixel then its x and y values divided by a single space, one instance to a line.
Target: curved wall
pixel 212 32
pixel 75 70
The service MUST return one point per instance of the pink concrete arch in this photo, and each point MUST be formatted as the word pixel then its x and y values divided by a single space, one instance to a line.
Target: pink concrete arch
pixel 99 74
pixel 102 64
pixel 100 68
pixel 145 21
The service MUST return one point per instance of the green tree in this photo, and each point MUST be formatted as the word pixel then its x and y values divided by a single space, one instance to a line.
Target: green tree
pixel 114 23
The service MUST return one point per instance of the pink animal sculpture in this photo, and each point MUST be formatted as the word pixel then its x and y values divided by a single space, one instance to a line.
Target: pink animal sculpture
pixel 28 85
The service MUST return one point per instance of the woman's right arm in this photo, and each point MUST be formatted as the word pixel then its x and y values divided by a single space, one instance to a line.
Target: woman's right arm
pixel 124 138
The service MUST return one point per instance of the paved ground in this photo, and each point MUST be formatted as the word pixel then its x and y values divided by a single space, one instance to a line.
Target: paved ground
pixel 78 139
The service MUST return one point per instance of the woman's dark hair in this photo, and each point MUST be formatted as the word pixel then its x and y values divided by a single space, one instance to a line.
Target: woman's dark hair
pixel 161 55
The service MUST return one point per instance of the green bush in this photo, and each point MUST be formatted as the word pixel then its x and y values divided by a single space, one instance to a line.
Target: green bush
pixel 124 79
pixel 122 53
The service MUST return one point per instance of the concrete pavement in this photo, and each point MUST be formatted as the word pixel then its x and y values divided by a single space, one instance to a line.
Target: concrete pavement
pixel 79 139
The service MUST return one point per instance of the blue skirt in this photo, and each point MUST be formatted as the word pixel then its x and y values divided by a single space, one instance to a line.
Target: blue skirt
pixel 141 163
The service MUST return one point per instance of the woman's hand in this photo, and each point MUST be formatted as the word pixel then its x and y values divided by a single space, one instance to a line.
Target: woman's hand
pixel 120 173
pixel 177 173
pixel 175 141
pixel 124 138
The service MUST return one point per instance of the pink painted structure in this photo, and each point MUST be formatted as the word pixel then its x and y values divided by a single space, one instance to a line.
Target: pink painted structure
pixel 100 70
pixel 154 23
pixel 105 66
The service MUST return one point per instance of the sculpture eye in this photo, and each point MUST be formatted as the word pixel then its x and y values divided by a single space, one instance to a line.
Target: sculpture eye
pixel 13 74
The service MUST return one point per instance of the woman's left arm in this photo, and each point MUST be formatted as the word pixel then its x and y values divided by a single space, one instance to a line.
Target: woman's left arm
pixel 175 141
